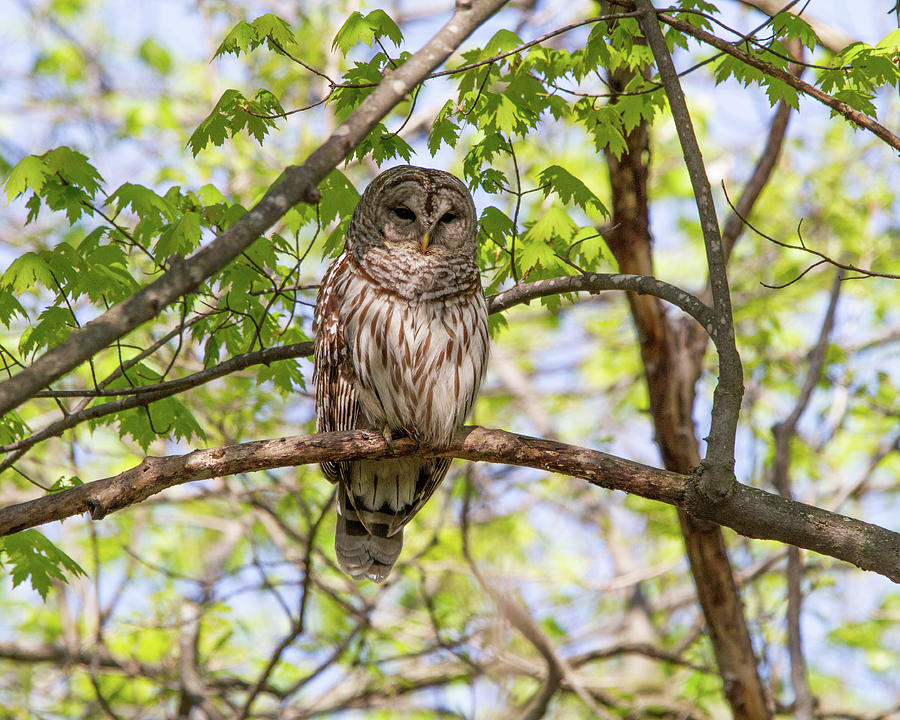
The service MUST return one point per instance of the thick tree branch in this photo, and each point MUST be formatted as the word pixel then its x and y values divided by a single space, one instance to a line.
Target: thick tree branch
pixel 298 184
pixel 749 511
pixel 718 466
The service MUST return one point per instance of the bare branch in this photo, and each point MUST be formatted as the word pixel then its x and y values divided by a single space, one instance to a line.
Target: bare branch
pixel 717 467
pixel 597 282
pixel 749 511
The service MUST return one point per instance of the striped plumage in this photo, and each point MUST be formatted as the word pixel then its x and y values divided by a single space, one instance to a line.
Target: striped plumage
pixel 401 344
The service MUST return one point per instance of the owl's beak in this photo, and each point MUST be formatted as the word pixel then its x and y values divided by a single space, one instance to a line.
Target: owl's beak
pixel 426 238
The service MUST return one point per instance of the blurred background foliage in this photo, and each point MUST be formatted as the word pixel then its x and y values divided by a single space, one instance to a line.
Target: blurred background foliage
pixel 131 134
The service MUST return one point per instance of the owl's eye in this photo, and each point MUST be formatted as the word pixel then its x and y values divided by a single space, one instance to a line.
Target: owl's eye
pixel 447 217
pixel 404 213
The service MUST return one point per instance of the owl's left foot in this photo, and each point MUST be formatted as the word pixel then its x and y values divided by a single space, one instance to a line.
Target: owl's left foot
pixel 386 433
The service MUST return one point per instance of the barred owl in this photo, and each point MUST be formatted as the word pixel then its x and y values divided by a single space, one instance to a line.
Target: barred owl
pixel 401 344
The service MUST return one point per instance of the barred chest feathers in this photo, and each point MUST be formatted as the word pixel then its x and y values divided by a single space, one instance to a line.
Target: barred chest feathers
pixel 401 344
pixel 418 364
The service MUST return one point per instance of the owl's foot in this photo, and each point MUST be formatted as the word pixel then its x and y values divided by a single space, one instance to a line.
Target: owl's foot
pixel 387 434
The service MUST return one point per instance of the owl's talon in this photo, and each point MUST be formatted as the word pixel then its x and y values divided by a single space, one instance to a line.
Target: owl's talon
pixel 387 435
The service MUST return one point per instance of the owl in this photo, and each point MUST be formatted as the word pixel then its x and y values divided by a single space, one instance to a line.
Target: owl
pixel 401 330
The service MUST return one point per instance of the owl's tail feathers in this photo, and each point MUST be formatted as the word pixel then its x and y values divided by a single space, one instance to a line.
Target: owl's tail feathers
pixel 360 553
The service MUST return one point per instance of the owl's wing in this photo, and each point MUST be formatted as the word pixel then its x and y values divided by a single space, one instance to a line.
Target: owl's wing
pixel 337 406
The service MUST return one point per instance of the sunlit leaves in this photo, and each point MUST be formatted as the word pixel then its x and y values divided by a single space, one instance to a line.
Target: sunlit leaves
pixel 234 113
pixel 788 25
pixel 861 69
pixel 339 197
pixel 61 178
pixel 245 37
pixel 383 145
pixel 31 556
pixel 26 270
pixel 28 173
pixel 569 188
pixel 366 29
pixel 443 130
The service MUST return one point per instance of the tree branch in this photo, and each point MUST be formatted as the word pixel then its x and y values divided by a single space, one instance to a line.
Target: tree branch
pixel 597 282
pixel 831 38
pixel 749 511
pixel 298 184
pixel 144 395
pixel 718 466
pixel 854 116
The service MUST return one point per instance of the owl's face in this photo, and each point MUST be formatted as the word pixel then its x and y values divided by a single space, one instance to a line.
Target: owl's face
pixel 413 211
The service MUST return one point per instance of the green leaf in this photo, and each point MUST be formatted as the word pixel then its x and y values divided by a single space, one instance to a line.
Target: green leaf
pixel 29 172
pixel 54 326
pixel 12 427
pixel 502 41
pixel 284 374
pixel 10 307
pixel 73 168
pixel 569 188
pixel 162 419
pixel 65 483
pixel 383 145
pixel 789 25
pixel 355 30
pixel 26 271
pixel 272 27
pixel 180 238
pixel 143 201
pixel 339 197
pixel 596 51
pixel 33 557
pixel 241 38
pixel 383 26
pixel 215 127
pixel 443 130
pixel 359 28
pixel 891 41
pixel 777 90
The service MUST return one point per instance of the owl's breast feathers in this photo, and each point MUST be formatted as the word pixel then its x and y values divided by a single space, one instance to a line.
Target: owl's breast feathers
pixel 388 359
pixel 416 364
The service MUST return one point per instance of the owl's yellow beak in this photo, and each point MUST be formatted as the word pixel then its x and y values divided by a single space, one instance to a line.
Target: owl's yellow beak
pixel 426 238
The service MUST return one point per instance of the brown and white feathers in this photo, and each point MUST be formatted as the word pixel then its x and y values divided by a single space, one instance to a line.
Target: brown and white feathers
pixel 401 344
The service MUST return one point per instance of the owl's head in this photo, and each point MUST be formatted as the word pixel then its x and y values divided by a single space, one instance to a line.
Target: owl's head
pixel 409 209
